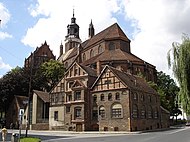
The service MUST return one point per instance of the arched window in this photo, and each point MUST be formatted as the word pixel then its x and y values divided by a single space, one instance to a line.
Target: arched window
pixel 117 96
pixel 94 98
pixel 91 53
pixel 156 113
pixel 117 111
pixel 100 49
pixel 84 57
pixel 135 111
pixel 149 112
pixel 143 112
pixel 109 97
pixel 102 112
pixel 102 97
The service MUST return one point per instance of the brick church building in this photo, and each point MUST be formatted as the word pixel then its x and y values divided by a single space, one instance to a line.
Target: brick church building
pixel 101 89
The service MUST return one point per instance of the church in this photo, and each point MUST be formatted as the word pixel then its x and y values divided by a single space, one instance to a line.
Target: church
pixel 103 88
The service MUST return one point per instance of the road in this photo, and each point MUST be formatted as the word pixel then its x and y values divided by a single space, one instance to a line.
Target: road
pixel 172 135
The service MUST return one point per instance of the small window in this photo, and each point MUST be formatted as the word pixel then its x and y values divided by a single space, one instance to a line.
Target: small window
pixel 109 97
pixel 107 82
pixel 149 112
pixel 156 113
pixel 117 96
pixel 78 112
pixel 68 109
pixel 95 113
pixel 56 115
pixel 84 57
pixel 102 97
pixel 135 96
pixel 78 95
pixel 69 98
pixel 94 98
pixel 143 112
pixel 91 53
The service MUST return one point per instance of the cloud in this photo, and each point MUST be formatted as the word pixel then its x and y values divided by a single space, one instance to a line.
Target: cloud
pixel 158 24
pixel 54 16
pixel 4 66
pixel 4 17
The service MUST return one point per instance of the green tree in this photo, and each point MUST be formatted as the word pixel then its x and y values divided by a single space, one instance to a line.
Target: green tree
pixel 51 72
pixel 168 91
pixel 179 60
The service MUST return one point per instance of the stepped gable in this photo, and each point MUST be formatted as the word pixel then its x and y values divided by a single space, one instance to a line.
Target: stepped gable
pixel 43 95
pixel 132 81
pixel 112 32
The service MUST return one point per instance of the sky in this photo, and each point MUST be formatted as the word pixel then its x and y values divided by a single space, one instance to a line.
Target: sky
pixel 151 25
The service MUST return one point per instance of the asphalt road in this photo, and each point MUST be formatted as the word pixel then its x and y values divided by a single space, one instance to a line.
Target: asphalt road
pixel 172 135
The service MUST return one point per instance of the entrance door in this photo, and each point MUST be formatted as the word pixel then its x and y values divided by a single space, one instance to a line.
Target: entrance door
pixel 78 127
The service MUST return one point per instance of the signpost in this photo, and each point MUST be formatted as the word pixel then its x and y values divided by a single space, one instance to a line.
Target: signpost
pixel 21 112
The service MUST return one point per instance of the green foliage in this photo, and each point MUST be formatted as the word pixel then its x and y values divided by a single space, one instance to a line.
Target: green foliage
pixel 168 91
pixel 179 60
pixel 51 72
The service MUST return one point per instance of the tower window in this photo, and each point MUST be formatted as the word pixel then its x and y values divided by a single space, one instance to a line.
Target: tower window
pixel 111 46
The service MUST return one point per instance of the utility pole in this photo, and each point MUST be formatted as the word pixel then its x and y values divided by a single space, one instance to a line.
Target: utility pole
pixel 29 95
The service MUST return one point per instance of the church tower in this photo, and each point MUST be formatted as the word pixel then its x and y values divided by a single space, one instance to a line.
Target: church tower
pixel 72 38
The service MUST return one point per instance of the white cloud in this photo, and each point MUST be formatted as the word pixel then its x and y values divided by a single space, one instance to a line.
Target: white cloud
pixel 158 24
pixel 4 66
pixel 4 17
pixel 54 16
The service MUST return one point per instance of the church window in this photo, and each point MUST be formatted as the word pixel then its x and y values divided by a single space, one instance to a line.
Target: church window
pixel 135 111
pixel 100 49
pixel 156 113
pixel 149 112
pixel 111 46
pixel 116 111
pixel 84 57
pixel 143 112
pixel 91 53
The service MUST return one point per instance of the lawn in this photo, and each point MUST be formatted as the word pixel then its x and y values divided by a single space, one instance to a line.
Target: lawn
pixel 30 140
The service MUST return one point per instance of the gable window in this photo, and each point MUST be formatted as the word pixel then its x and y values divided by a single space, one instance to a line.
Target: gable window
pixel 78 112
pixel 107 82
pixel 56 115
pixel 69 98
pixel 135 111
pixel 109 97
pixel 102 97
pixel 62 86
pixel 78 95
pixel 117 96
pixel 116 111
pixel 100 49
pixel 102 112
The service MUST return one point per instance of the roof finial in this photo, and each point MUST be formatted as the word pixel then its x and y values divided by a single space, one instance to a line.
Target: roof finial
pixel 73 12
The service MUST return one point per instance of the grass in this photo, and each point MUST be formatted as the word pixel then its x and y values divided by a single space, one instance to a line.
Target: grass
pixel 28 139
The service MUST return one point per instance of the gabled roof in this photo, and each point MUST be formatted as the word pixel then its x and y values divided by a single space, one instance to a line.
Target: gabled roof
pixel 131 81
pixel 43 95
pixel 21 101
pixel 78 83
pixel 112 32
pixel 89 70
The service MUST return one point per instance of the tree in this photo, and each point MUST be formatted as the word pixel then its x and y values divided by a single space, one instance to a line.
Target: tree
pixel 179 60
pixel 51 72
pixel 168 91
